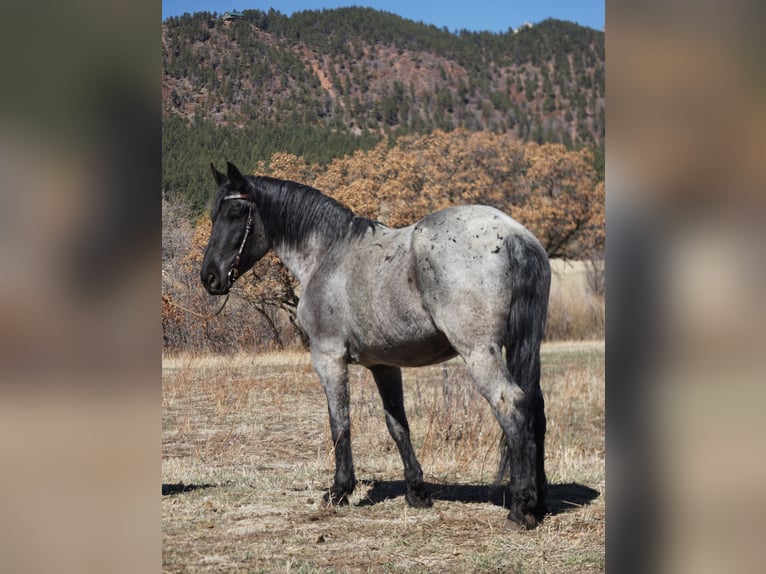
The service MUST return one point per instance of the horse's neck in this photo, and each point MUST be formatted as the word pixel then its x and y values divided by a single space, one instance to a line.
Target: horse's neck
pixel 302 254
pixel 303 261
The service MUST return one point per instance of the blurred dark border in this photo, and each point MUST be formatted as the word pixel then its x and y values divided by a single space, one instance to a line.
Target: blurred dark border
pixel 80 146
pixel 685 272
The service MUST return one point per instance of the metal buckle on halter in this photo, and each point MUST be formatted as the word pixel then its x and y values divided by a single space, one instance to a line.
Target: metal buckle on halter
pixel 231 277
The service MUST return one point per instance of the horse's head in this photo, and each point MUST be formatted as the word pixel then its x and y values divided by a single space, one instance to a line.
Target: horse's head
pixel 238 238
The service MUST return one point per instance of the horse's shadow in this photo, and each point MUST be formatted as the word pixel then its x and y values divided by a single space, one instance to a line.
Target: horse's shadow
pixel 179 487
pixel 561 497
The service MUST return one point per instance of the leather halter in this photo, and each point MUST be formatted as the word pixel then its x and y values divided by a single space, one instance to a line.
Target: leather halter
pixel 232 275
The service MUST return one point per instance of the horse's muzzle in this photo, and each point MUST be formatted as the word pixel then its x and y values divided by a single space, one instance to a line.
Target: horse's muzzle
pixel 214 282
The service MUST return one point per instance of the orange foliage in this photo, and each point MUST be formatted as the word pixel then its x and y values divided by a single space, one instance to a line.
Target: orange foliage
pixel 560 199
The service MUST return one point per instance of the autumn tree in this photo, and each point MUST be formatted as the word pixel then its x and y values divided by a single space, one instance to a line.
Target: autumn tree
pixel 560 200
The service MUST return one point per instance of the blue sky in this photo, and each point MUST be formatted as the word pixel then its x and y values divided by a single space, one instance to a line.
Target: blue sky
pixel 491 15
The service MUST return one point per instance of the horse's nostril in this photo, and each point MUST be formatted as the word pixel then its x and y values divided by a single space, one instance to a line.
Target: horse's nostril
pixel 212 280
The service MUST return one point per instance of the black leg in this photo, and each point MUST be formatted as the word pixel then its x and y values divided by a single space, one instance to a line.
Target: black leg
pixel 389 381
pixel 524 485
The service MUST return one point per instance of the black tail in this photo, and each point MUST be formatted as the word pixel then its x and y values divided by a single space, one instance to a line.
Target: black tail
pixel 530 287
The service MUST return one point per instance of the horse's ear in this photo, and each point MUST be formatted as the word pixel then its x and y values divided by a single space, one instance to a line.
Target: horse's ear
pixel 217 175
pixel 233 174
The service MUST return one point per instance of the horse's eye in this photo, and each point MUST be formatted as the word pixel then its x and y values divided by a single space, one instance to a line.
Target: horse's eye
pixel 232 211
pixel 238 211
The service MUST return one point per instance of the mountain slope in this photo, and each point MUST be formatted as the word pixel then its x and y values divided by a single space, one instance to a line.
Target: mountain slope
pixel 360 69
pixel 323 83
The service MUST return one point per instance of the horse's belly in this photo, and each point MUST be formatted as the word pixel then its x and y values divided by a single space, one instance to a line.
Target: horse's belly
pixel 402 339
pixel 416 351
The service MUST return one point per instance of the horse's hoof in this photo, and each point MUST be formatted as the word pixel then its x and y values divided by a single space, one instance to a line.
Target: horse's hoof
pixel 418 498
pixel 517 521
pixel 512 526
pixel 332 499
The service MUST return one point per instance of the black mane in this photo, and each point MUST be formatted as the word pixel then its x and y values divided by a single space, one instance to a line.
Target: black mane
pixel 292 212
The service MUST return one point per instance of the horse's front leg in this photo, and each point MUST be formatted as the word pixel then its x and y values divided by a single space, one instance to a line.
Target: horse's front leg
pixel 333 374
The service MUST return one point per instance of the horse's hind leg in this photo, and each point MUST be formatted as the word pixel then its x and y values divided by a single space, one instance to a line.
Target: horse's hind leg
pixel 389 381
pixel 333 375
pixel 512 407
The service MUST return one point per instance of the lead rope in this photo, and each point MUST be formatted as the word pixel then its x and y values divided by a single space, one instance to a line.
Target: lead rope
pixel 200 315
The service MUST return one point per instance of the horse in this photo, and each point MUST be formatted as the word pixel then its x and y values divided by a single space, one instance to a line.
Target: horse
pixel 466 280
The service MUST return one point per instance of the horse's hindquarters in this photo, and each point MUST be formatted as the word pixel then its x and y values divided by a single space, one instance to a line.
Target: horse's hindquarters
pixel 464 273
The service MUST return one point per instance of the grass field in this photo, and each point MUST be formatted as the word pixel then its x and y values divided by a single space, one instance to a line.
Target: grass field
pixel 247 457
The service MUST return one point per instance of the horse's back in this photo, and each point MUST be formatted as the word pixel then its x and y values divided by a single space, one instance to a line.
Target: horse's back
pixel 469 227
pixel 467 245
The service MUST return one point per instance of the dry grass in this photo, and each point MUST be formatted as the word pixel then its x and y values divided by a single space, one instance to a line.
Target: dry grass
pixel 575 310
pixel 247 457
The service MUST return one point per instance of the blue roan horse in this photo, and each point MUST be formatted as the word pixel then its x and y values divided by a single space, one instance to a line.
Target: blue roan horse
pixel 466 281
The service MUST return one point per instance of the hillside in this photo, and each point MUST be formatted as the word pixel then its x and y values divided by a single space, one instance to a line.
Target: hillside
pixel 324 83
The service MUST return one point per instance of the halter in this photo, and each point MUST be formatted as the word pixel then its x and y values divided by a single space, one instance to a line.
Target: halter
pixel 232 275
